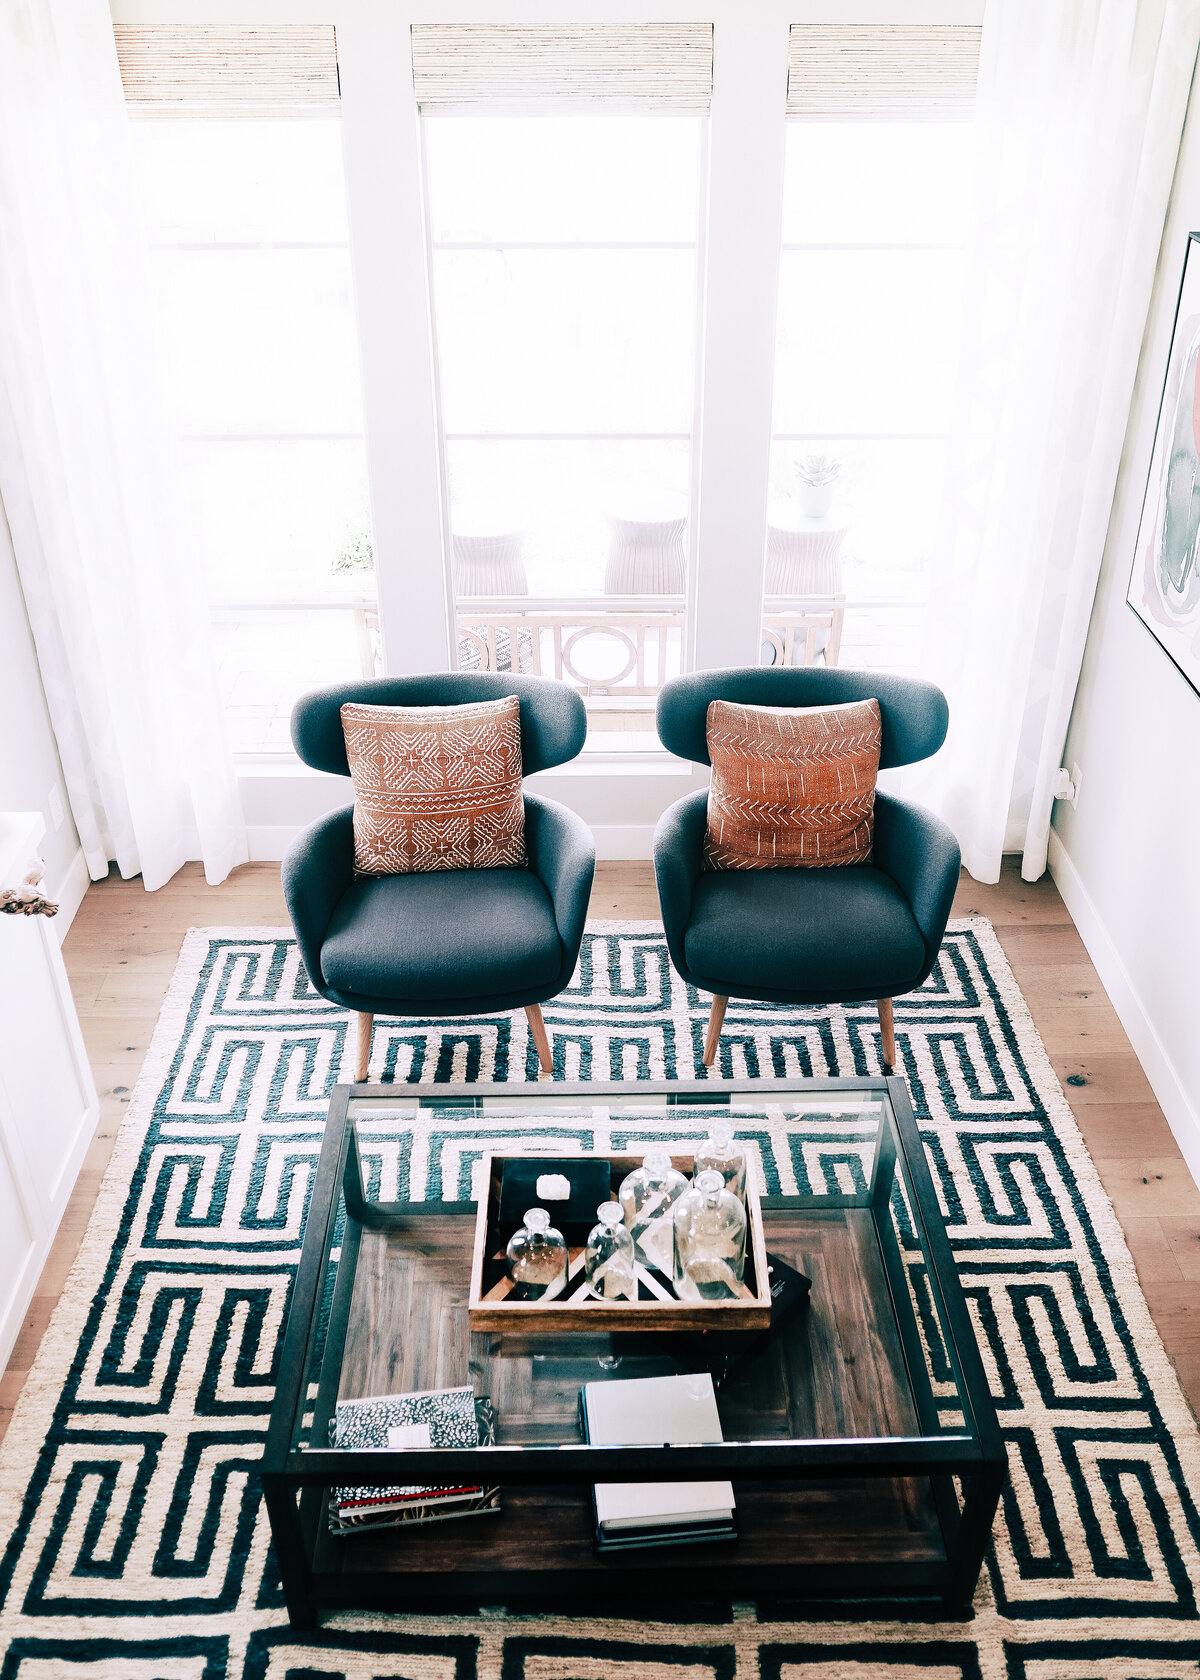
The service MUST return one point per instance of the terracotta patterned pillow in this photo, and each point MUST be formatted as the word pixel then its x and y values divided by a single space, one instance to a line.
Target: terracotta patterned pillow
pixel 436 787
pixel 792 787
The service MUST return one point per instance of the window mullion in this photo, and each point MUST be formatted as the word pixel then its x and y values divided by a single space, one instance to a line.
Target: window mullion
pixel 747 141
pixel 387 242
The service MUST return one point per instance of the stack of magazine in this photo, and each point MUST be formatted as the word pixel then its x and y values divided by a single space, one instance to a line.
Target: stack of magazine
pixel 437 1418
pixel 651 1411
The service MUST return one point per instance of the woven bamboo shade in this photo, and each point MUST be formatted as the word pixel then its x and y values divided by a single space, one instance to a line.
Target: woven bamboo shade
pixel 844 72
pixel 196 71
pixel 522 66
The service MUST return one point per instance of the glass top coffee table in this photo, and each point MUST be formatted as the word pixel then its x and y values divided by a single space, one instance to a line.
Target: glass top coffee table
pixel 860 1437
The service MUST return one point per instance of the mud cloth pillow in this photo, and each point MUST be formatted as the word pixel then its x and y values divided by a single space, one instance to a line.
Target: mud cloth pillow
pixel 436 787
pixel 792 787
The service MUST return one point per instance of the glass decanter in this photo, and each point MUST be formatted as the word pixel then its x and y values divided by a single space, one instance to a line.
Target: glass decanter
pixel 724 1154
pixel 609 1258
pixel 646 1196
pixel 710 1241
pixel 537 1255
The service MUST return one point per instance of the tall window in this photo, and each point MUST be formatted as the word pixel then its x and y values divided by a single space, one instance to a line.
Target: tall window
pixel 564 202
pixel 877 190
pixel 238 147
pixel 545 265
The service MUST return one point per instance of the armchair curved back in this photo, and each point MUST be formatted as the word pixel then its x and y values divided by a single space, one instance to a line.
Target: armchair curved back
pixel 553 719
pixel 914 712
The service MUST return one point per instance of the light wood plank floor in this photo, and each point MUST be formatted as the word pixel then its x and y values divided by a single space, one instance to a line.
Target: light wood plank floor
pixel 122 946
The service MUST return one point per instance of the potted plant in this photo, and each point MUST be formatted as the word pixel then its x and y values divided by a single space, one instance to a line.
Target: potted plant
pixel 356 553
pixel 816 479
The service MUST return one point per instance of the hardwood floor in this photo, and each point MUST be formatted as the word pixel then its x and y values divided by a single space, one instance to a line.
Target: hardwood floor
pixel 122 946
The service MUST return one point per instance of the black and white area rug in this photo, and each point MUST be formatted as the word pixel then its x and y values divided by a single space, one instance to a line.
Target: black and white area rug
pixel 136 1544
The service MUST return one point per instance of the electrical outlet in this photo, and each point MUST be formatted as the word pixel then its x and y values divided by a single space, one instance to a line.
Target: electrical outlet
pixel 1076 784
pixel 54 805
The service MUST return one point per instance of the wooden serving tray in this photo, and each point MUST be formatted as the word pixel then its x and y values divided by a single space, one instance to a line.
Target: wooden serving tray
pixel 490 1308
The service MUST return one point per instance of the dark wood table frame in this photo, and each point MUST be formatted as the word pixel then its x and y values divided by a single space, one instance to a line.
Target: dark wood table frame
pixel 791 1553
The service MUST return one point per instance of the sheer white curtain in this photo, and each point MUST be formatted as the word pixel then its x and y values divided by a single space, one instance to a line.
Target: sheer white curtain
pixel 1080 112
pixel 87 473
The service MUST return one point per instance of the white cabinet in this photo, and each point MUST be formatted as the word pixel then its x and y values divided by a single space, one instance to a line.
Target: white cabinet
pixel 48 1102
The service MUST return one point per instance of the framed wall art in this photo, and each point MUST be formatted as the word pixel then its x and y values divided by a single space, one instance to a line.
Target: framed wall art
pixel 1164 585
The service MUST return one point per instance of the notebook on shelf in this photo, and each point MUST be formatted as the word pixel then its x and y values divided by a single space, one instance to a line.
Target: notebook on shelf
pixel 651 1411
pixel 433 1418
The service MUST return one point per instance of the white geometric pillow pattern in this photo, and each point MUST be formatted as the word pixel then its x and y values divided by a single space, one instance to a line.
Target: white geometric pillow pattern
pixel 792 786
pixel 436 787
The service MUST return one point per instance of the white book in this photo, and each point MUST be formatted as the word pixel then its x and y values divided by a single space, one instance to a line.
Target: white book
pixel 649 1411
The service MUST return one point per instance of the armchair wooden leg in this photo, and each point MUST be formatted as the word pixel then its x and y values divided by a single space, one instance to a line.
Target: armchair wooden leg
pixel 537 1028
pixel 716 1019
pixel 363 1061
pixel 887 1033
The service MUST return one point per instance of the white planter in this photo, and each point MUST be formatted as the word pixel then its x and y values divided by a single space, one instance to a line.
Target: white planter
pixel 815 499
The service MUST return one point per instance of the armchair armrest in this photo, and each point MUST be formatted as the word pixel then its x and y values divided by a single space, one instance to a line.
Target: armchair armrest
pixel 562 854
pixel 678 861
pixel 317 870
pixel 921 855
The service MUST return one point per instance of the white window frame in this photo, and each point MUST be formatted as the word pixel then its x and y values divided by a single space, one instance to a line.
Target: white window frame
pixel 597 753
pixel 735 373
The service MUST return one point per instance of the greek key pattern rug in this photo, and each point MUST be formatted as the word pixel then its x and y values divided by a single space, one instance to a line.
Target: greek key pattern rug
pixel 136 1543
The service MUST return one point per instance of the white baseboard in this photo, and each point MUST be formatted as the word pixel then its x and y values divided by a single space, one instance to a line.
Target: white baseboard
pixel 623 842
pixel 69 892
pixel 267 845
pixel 1173 1098
pixel 614 841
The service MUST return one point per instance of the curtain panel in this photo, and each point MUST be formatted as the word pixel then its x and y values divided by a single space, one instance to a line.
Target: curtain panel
pixel 1080 114
pixel 88 475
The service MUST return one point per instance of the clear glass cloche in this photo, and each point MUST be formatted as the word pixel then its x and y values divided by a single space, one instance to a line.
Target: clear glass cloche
pixel 724 1154
pixel 647 1195
pixel 609 1260
pixel 537 1255
pixel 710 1241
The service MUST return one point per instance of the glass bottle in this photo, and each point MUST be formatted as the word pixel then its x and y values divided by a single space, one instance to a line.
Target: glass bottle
pixel 537 1255
pixel 710 1241
pixel 646 1196
pixel 609 1259
pixel 724 1154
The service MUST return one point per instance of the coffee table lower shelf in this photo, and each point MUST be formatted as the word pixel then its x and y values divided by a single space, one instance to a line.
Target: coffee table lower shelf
pixel 867 1539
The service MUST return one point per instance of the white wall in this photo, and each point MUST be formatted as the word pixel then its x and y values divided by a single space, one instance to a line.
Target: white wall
pixel 1126 860
pixel 31 777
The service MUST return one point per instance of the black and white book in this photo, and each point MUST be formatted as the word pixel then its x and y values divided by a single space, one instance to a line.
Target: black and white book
pixel 437 1419
pixel 654 1411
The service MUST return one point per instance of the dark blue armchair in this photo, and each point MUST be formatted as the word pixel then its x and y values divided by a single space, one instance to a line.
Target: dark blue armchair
pixel 458 941
pixel 805 936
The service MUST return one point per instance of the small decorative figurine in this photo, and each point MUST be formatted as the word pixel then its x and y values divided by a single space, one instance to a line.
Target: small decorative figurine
pixel 26 900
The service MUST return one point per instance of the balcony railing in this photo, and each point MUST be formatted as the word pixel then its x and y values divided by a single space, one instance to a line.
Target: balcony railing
pixel 616 650
pixel 623 649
